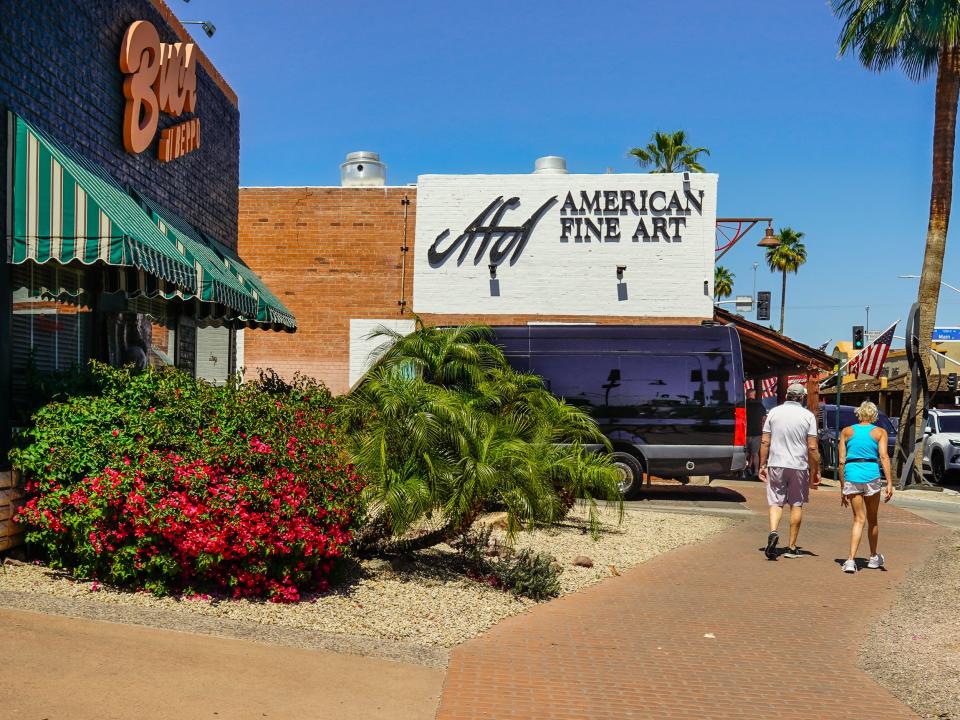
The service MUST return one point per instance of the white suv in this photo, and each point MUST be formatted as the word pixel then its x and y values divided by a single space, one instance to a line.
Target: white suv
pixel 941 443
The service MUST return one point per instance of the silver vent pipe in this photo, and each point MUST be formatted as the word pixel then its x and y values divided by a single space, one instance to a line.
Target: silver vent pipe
pixel 363 169
pixel 550 165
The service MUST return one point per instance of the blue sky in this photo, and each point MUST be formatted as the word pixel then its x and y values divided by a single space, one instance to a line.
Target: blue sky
pixel 817 142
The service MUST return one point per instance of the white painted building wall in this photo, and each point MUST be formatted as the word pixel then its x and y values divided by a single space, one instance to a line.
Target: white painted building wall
pixel 364 347
pixel 556 273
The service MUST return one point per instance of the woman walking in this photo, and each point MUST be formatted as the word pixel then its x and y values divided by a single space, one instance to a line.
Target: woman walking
pixel 863 452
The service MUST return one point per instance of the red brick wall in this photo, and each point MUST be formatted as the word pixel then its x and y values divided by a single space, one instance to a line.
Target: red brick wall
pixel 332 254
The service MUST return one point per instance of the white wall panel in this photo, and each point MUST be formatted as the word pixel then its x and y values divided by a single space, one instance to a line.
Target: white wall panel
pixel 660 226
pixel 363 347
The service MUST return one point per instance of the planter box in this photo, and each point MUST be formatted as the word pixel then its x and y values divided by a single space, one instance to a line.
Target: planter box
pixel 11 498
pixel 10 502
pixel 9 479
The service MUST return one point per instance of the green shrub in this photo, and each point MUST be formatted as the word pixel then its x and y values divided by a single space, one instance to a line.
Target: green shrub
pixel 525 574
pixel 163 482
pixel 528 574
pixel 442 427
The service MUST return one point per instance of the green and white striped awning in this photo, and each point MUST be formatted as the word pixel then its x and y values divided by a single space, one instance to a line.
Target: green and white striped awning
pixel 223 278
pixel 68 210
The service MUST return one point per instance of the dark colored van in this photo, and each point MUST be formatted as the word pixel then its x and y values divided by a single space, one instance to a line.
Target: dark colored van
pixel 669 397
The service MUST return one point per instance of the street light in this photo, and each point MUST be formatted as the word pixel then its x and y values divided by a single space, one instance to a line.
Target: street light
pixel 917 277
pixel 769 239
pixel 208 27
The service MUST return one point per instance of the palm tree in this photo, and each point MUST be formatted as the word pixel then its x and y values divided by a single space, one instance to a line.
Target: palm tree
pixel 922 36
pixel 786 257
pixel 441 427
pixel 669 153
pixel 722 283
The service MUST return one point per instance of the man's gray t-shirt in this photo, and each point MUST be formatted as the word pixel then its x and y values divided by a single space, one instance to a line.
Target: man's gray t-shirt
pixel 789 426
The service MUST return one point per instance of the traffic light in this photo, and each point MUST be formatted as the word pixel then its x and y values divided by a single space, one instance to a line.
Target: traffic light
pixel 952 382
pixel 858 337
pixel 763 305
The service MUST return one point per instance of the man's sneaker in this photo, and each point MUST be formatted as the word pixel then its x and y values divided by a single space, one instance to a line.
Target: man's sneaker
pixel 793 553
pixel 850 566
pixel 771 549
pixel 876 562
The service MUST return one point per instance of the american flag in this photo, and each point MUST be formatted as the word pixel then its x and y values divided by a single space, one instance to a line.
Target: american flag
pixel 870 360
pixel 769 386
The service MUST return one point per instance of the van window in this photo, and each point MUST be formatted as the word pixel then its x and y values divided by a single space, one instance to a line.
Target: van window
pixel 719 389
pixel 620 385
pixel 581 380
pixel 664 381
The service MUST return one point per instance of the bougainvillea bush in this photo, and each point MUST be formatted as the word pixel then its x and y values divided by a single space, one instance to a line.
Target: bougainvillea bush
pixel 164 483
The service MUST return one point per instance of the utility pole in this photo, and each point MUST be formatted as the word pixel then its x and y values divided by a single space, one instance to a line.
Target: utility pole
pixel 755 266
pixel 867 333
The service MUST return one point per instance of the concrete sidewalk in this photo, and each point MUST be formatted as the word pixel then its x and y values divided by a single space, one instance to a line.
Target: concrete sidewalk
pixel 706 631
pixel 60 668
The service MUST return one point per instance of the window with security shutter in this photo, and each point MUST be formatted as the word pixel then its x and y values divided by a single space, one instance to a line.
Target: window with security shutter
pixel 186 358
pixel 50 327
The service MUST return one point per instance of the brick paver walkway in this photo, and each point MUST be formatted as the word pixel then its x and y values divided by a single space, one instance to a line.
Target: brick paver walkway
pixel 786 633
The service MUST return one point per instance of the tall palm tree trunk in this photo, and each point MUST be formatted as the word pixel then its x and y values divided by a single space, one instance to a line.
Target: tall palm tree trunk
pixel 941 191
pixel 941 196
pixel 783 299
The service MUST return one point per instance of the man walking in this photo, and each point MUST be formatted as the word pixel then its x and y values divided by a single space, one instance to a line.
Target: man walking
pixel 756 413
pixel 789 465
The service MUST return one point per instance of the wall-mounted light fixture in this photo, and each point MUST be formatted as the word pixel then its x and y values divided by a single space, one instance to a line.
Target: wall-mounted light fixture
pixel 620 270
pixel 493 271
pixel 208 27
pixel 769 239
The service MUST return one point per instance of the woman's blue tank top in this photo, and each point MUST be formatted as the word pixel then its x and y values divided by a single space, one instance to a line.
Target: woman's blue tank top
pixel 861 445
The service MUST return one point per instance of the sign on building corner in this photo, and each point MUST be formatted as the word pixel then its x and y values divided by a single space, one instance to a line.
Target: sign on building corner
pixel 160 77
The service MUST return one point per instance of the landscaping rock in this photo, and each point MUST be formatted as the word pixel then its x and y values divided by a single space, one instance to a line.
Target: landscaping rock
pixel 431 604
pixel 583 561
pixel 375 565
pixel 498 520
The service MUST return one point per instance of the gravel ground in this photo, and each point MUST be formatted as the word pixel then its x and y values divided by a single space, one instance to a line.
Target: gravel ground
pixel 423 602
pixel 914 650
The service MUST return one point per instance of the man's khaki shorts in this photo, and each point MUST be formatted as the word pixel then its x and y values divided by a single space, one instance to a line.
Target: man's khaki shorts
pixel 787 486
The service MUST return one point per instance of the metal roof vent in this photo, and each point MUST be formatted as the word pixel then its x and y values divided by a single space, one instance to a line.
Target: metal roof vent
pixel 363 169
pixel 550 165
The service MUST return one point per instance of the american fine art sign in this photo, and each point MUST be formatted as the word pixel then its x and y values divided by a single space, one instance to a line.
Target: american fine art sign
pixel 160 77
pixel 624 245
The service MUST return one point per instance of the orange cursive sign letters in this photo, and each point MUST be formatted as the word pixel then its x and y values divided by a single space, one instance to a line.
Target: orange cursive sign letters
pixel 161 77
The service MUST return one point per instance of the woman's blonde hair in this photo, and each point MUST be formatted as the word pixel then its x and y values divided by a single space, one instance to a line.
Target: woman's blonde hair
pixel 867 412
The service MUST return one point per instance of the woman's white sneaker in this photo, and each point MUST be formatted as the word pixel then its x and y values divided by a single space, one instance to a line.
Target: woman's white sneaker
pixel 850 566
pixel 875 562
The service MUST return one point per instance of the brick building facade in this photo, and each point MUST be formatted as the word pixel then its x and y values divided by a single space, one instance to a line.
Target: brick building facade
pixel 337 253
pixel 59 71
pixel 109 253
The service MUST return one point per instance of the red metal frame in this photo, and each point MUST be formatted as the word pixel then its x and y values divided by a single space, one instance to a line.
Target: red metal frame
pixel 731 230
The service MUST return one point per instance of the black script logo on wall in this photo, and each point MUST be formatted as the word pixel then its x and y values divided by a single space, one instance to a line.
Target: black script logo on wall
pixel 600 216
pixel 501 240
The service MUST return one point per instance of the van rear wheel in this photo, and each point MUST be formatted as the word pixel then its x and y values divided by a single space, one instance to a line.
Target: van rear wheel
pixel 631 473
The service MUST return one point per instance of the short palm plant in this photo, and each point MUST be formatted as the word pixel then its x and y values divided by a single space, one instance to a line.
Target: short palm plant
pixel 442 428
pixel 669 153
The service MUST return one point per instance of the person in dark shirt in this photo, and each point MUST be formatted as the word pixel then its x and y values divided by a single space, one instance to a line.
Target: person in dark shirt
pixel 756 413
